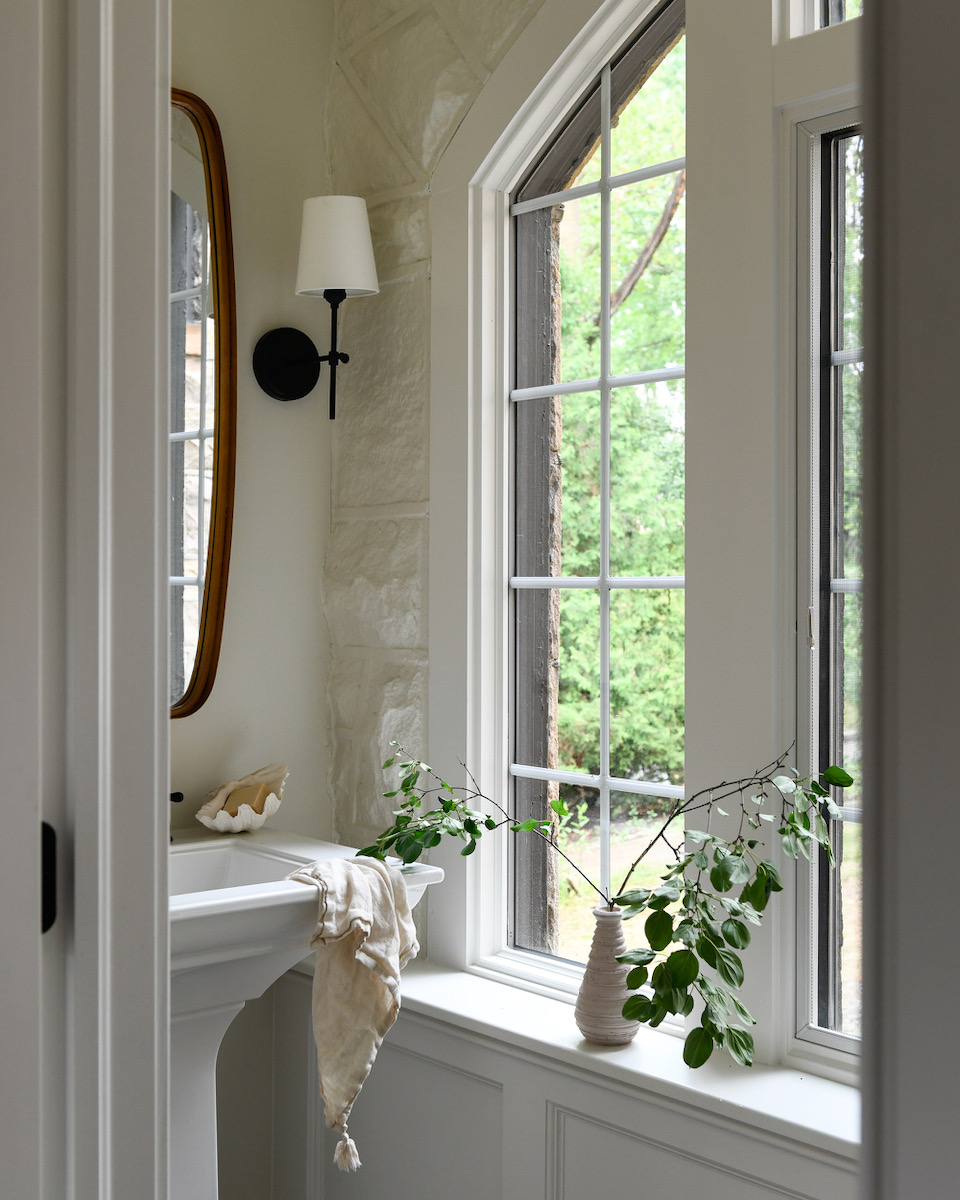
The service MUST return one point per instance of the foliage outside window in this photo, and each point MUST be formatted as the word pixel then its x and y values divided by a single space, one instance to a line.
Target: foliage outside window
pixel 599 486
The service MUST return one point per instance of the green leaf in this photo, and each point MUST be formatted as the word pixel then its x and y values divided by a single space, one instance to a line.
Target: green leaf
pixel 742 1011
pixel 707 951
pixel 469 848
pixel 636 897
pixel 409 849
pixel 749 913
pixel 771 873
pixel 837 777
pixel 659 930
pixel 740 870
pixel 697 835
pixel 667 893
pixel 685 932
pixel 818 789
pixel 675 1000
pixel 697 1047
pixel 639 957
pixel 720 876
pixel 638 1008
pixel 683 967
pixel 739 1045
pixel 729 967
pixel 735 933
pixel 559 807
pixel 389 763
pixel 490 823
pixel 637 978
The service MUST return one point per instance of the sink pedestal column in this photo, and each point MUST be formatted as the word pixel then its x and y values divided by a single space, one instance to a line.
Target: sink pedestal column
pixel 195 1039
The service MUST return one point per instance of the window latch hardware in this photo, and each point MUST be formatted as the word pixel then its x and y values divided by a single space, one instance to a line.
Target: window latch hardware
pixel 811 629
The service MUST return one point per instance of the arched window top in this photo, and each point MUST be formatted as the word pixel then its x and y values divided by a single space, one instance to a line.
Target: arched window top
pixel 578 139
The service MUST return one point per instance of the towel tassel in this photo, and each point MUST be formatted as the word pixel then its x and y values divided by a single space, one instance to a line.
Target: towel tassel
pixel 345 1155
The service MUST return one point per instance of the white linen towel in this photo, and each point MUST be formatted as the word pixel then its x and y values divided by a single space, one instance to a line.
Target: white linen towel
pixel 364 936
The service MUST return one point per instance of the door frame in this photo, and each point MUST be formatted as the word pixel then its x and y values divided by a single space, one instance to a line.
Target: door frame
pixel 83 1097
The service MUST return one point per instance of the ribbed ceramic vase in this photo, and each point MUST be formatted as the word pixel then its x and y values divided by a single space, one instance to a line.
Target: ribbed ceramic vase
pixel 604 987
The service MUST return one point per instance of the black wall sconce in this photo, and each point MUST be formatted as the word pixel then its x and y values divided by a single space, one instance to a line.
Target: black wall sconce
pixel 336 262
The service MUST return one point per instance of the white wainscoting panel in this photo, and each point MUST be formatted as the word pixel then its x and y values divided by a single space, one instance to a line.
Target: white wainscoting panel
pixel 451 1113
pixel 423 1128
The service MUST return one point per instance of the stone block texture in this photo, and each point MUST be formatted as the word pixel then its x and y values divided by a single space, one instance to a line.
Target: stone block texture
pixel 406 75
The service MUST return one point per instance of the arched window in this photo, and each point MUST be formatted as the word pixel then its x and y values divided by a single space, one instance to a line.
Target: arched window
pixel 598 458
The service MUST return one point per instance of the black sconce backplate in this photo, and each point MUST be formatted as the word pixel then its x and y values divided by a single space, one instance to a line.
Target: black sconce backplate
pixel 286 364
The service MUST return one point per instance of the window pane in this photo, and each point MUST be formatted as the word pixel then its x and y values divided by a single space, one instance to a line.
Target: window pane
pixel 851 245
pixel 849 656
pixel 207 493
pixel 646 480
pixel 536 871
pixel 652 127
pixel 578 709
pixel 851 928
pixel 579 245
pixel 647 275
pixel 634 822
pixel 849 450
pixel 835 11
pixel 578 835
pixel 191 494
pixel 558 678
pixel 558 486
pixel 646 684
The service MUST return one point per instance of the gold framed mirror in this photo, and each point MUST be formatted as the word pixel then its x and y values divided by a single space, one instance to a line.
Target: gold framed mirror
pixel 203 399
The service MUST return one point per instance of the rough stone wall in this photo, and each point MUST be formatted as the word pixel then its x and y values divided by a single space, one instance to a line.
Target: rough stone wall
pixel 405 75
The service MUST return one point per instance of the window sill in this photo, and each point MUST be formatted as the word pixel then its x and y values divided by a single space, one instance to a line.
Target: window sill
pixel 785 1103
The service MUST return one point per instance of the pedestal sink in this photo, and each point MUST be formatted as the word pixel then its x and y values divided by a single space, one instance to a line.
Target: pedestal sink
pixel 236 925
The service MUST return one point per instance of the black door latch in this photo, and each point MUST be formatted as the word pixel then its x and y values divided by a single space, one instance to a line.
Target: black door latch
pixel 48 876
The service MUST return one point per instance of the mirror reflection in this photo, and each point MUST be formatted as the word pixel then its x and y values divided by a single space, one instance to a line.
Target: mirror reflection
pixel 202 399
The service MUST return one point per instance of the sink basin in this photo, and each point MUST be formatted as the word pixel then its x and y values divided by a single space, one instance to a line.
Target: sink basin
pixel 237 923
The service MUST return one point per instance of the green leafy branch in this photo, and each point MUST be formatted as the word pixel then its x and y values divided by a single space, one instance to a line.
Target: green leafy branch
pixel 700 915
pixel 717 891
pixel 414 831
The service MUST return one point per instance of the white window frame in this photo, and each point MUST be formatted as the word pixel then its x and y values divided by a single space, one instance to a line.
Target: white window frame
pixel 805 136
pixel 565 46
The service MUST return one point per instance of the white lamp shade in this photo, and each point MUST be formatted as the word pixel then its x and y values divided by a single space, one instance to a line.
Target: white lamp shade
pixel 335 247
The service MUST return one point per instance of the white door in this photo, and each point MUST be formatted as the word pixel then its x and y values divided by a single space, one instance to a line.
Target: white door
pixel 83 198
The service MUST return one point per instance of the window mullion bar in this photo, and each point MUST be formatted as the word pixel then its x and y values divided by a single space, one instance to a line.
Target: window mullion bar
pixel 654 171
pixel 605 285
pixel 633 379
pixel 186 294
pixel 848 356
pixel 593 581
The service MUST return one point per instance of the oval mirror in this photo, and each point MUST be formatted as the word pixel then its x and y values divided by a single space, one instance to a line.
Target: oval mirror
pixel 203 399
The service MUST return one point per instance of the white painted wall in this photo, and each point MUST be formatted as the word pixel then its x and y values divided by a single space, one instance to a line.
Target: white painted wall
pixel 265 72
